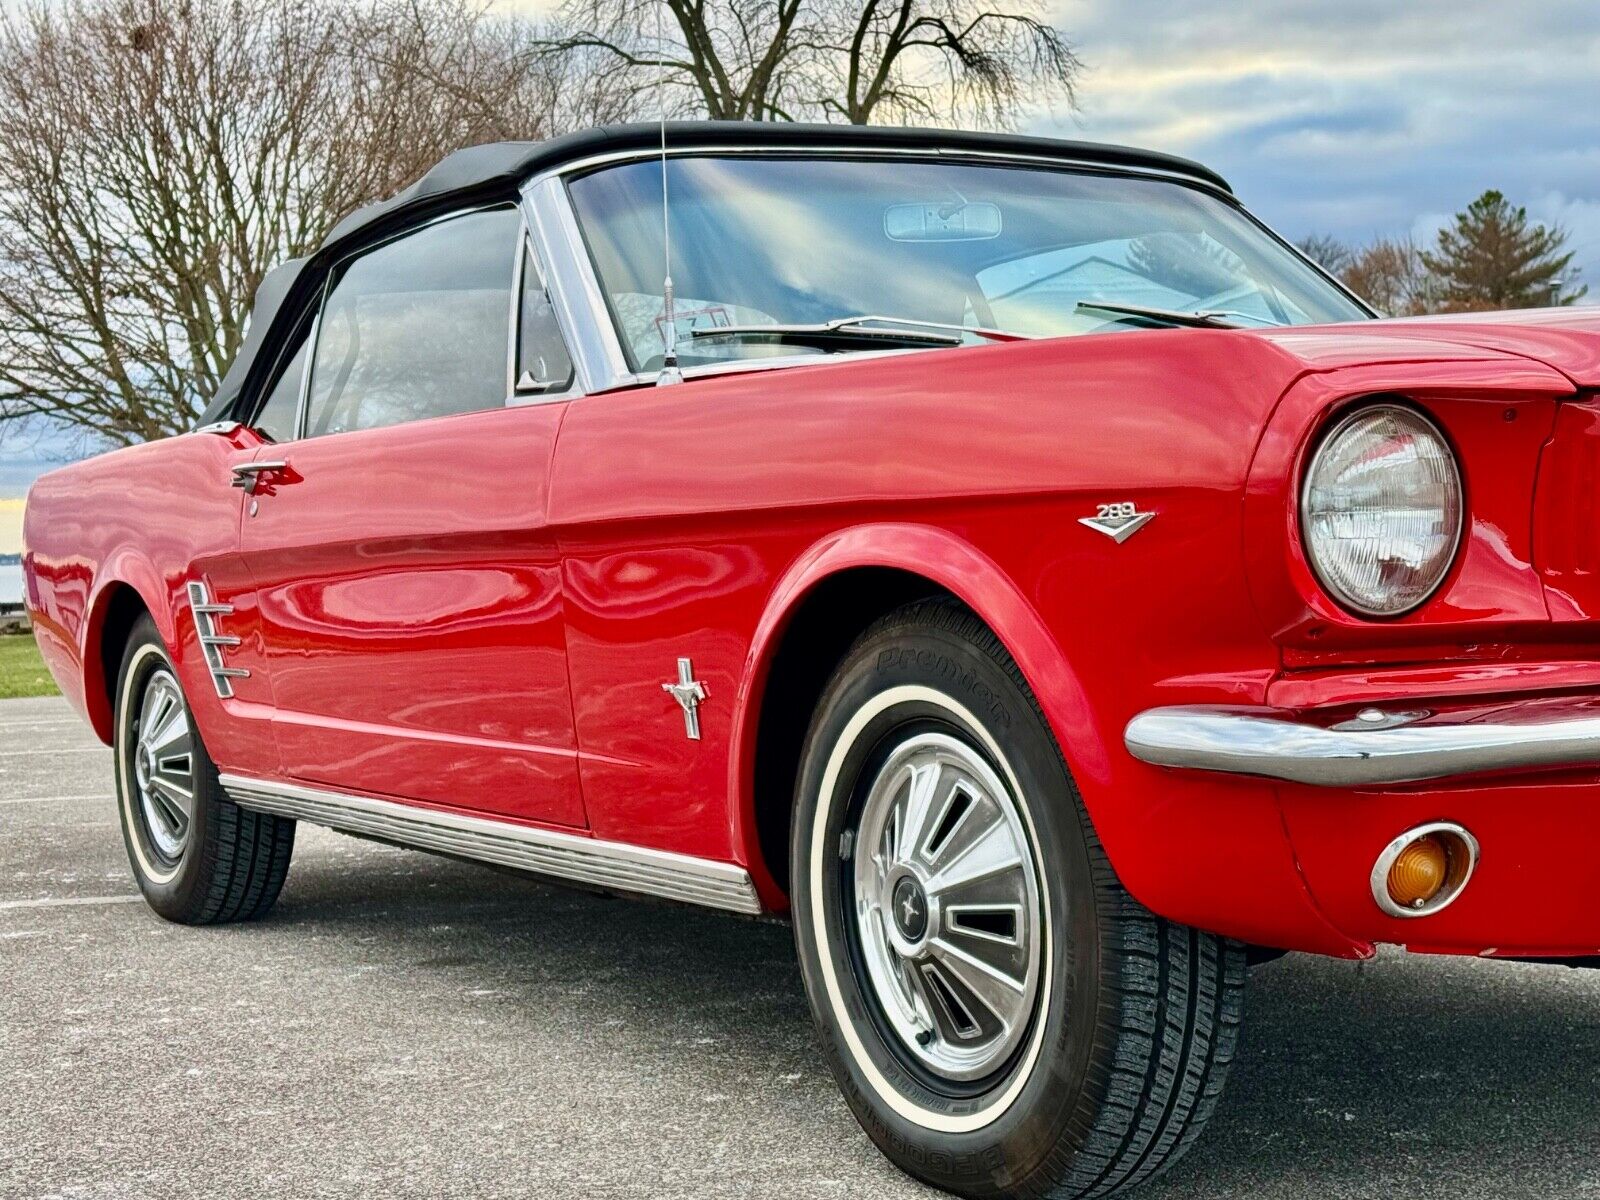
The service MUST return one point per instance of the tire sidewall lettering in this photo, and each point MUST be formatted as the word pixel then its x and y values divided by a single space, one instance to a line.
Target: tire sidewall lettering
pixel 897 662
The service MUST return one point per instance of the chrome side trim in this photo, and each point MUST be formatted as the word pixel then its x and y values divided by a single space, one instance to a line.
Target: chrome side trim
pixel 213 641
pixel 615 866
pixel 1280 745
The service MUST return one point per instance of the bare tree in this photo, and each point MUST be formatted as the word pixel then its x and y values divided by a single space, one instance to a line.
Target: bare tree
pixel 1327 251
pixel 157 157
pixel 728 61
pixel 853 61
pixel 940 60
pixel 1388 273
pixel 1488 258
pixel 1392 276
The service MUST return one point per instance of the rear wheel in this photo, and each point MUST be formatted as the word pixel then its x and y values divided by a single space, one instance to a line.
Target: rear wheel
pixel 199 858
pixel 1003 1018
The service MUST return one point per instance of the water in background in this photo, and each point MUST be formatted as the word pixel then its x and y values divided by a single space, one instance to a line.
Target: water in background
pixel 10 580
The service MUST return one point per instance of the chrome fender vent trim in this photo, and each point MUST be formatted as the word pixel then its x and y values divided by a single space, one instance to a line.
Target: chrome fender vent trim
pixel 615 866
pixel 212 640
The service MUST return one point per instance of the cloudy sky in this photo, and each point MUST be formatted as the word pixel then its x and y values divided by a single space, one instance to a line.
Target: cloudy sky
pixel 1356 117
pixel 1349 117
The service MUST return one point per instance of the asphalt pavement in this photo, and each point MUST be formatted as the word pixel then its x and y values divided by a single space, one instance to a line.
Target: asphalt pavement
pixel 403 1025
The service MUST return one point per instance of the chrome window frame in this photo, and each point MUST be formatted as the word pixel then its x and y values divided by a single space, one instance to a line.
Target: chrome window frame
pixel 303 403
pixel 586 320
pixel 246 410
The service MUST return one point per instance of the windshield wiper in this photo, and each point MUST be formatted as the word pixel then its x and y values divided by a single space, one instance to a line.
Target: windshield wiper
pixel 1212 319
pixel 862 332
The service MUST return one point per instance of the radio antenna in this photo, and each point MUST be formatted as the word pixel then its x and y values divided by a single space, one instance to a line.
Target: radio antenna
pixel 670 373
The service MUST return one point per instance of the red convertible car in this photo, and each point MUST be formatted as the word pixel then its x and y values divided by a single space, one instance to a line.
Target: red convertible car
pixel 1004 557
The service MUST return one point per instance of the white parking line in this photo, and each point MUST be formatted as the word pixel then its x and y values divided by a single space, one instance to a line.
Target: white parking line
pixel 64 901
pixel 50 799
pixel 60 750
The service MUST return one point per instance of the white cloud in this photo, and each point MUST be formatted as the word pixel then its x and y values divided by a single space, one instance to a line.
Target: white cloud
pixel 1356 117
pixel 1581 219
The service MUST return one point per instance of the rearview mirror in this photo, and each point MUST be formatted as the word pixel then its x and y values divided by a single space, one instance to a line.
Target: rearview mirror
pixel 941 221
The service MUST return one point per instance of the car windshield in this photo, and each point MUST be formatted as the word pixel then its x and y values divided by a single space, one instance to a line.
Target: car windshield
pixel 1029 249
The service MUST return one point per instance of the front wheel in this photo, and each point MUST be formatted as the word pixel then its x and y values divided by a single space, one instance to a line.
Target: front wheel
pixel 1003 1018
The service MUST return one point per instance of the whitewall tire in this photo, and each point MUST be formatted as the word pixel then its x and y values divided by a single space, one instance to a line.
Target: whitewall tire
pixel 1003 1018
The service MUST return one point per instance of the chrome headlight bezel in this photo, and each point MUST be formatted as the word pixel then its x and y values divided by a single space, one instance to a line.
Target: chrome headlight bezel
pixel 1329 438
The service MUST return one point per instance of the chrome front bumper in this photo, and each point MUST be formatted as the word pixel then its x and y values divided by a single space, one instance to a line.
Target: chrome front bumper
pixel 1376 747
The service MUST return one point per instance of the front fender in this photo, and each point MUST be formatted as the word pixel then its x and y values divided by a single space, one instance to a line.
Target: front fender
pixel 944 559
pixel 1213 857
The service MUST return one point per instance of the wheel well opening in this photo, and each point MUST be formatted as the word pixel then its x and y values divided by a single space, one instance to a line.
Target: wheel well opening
pixel 123 609
pixel 818 636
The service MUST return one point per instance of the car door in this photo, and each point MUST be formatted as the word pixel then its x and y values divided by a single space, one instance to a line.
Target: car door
pixel 220 589
pixel 407 581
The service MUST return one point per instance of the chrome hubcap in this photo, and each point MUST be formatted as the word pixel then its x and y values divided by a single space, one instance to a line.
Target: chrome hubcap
pixel 947 907
pixel 163 766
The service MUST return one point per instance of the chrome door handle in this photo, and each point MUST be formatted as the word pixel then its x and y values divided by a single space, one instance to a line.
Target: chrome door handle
pixel 248 475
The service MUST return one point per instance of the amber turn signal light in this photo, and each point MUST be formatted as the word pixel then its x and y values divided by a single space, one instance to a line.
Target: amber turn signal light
pixel 1419 872
pixel 1424 869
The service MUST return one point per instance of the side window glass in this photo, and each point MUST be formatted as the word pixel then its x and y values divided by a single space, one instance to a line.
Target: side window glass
pixel 543 365
pixel 418 327
pixel 277 415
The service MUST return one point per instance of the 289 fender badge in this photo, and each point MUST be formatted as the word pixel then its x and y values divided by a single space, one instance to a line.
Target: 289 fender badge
pixel 1119 521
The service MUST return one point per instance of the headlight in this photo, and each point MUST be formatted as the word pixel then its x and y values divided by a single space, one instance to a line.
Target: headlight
pixel 1380 512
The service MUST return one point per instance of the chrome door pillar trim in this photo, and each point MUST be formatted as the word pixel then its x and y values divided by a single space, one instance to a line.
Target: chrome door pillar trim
pixel 575 294
pixel 575 858
pixel 1375 749
pixel 514 318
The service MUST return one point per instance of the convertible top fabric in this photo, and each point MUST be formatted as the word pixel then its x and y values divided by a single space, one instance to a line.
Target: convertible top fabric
pixel 497 168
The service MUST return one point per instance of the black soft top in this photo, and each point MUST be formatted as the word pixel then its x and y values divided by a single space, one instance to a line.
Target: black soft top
pixel 498 168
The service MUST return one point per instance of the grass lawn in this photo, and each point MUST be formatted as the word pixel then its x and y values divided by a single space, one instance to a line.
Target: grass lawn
pixel 22 671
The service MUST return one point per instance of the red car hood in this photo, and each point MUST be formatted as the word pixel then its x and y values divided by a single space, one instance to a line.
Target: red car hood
pixel 1567 339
